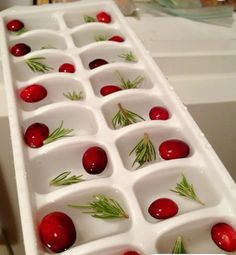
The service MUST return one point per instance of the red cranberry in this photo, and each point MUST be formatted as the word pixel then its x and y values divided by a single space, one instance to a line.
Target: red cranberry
pixel 224 236
pixel 103 17
pixel 15 25
pixel 33 93
pixel 116 38
pixel 94 160
pixel 158 113
pixel 20 49
pixel 35 134
pixel 163 208
pixel 67 68
pixel 131 253
pixel 97 62
pixel 173 149
pixel 57 231
pixel 109 89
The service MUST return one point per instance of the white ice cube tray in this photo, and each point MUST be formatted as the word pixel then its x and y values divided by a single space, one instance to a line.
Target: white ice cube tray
pixel 62 26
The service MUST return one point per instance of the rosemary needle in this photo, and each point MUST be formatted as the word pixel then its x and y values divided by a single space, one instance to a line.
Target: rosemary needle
pixel 103 208
pixel 179 246
pixel 74 96
pixel 64 179
pixel 186 190
pixel 144 151
pixel 57 134
pixel 125 117
pixel 36 65
pixel 130 84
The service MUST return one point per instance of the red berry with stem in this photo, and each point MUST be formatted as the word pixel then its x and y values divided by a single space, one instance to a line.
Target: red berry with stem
pixel 116 38
pixel 224 236
pixel 33 93
pixel 20 49
pixel 158 113
pixel 15 25
pixel 35 134
pixel 97 62
pixel 109 89
pixel 57 231
pixel 163 208
pixel 173 149
pixel 131 253
pixel 94 160
pixel 67 68
pixel 103 17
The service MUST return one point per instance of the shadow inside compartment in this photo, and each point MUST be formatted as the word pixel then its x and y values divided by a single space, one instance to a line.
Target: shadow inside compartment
pixel 7 215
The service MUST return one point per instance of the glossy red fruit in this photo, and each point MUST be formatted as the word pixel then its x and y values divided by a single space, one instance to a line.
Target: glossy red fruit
pixel 116 38
pixel 33 93
pixel 103 17
pixel 158 113
pixel 163 208
pixel 109 89
pixel 224 236
pixel 97 62
pixel 67 68
pixel 94 160
pixel 57 231
pixel 20 49
pixel 131 253
pixel 173 149
pixel 35 134
pixel 15 25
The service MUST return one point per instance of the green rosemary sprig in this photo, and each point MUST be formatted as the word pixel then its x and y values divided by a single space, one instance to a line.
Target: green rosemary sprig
pixel 47 46
pixel 103 208
pixel 89 19
pixel 36 65
pixel 186 190
pixel 129 57
pixel 64 179
pixel 74 96
pixel 144 151
pixel 130 84
pixel 99 38
pixel 179 246
pixel 125 117
pixel 57 134
pixel 21 31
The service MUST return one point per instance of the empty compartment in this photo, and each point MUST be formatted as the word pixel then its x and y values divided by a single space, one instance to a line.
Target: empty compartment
pixel 84 223
pixel 96 33
pixel 111 53
pixel 64 158
pixel 122 77
pixel 135 103
pixel 196 236
pixel 159 184
pixel 48 62
pixel 156 133
pixel 59 87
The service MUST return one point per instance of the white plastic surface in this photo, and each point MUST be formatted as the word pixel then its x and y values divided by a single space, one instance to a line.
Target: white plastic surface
pixel 36 198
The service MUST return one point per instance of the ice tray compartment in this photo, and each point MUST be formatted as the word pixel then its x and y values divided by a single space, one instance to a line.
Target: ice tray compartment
pixel 94 34
pixel 58 88
pixel 66 157
pixel 196 235
pixel 134 188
